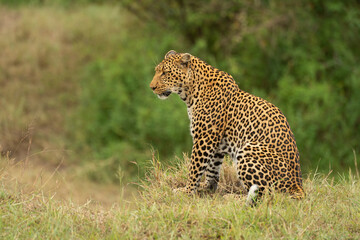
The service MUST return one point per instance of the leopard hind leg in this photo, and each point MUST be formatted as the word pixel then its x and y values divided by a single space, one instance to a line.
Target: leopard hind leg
pixel 252 195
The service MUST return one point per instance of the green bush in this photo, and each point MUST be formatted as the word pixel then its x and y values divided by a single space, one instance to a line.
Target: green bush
pixel 119 112
pixel 302 56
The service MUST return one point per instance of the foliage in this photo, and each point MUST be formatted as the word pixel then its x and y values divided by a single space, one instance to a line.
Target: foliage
pixel 302 56
pixel 271 50
pixel 120 118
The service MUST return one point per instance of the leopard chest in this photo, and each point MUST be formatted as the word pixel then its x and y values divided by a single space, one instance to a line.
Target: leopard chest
pixel 190 114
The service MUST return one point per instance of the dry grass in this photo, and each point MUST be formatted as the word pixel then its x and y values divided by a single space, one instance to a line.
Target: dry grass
pixel 43 53
pixel 331 210
pixel 62 185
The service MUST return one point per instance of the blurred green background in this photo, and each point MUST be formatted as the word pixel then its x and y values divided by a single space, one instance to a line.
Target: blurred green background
pixel 75 76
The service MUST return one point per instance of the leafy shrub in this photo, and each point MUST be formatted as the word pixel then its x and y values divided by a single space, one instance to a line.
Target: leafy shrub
pixel 302 56
pixel 119 112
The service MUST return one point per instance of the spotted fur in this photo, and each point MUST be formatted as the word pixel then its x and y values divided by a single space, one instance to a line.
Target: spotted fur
pixel 226 120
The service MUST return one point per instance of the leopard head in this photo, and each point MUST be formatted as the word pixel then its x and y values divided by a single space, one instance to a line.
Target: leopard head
pixel 171 74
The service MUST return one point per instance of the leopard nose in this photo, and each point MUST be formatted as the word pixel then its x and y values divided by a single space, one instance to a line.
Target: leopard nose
pixel 153 88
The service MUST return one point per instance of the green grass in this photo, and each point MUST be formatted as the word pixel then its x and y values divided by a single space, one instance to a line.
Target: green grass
pixel 331 210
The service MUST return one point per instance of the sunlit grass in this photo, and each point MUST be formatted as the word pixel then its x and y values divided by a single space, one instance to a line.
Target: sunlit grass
pixel 331 210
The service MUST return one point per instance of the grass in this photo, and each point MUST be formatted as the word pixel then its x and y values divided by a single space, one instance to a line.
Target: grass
pixel 331 210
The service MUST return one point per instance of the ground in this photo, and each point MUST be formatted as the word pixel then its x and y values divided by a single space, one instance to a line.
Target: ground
pixel 331 210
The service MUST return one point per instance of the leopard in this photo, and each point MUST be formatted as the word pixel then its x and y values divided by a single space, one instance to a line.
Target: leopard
pixel 227 121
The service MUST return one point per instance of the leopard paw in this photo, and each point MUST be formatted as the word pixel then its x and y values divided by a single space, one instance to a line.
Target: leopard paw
pixel 182 190
pixel 203 186
pixel 208 186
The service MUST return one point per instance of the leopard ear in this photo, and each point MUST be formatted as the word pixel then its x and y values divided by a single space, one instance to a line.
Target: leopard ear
pixel 171 52
pixel 185 58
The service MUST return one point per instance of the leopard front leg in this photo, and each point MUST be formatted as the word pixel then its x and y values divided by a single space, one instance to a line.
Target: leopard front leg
pixel 212 173
pixel 201 155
